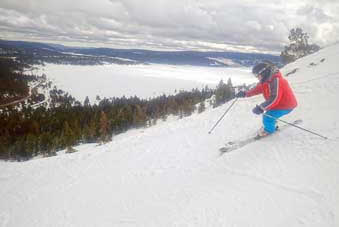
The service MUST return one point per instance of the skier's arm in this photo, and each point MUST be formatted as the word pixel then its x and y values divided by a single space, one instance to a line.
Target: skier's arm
pixel 254 91
pixel 275 95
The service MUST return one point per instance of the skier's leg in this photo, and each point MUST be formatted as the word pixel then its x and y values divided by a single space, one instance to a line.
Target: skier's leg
pixel 269 122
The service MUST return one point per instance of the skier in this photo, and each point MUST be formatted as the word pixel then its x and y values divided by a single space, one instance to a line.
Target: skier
pixel 279 97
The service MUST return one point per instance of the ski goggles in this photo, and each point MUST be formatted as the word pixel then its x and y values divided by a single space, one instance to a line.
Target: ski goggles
pixel 261 71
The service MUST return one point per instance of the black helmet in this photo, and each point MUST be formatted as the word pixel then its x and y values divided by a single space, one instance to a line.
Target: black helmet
pixel 264 68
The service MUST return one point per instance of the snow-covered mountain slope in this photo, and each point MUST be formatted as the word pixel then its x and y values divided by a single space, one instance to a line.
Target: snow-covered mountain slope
pixel 172 175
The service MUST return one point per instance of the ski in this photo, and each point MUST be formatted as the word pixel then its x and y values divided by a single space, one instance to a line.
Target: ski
pixel 237 144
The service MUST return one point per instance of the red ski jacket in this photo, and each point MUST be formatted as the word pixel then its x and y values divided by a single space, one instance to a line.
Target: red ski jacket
pixel 277 93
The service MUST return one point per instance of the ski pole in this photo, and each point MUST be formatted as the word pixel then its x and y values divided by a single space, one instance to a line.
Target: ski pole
pixel 222 116
pixel 324 137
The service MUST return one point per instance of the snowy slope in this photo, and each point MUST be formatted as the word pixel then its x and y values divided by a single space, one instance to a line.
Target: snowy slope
pixel 172 175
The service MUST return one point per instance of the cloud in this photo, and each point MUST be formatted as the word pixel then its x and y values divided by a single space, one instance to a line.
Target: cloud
pixel 246 25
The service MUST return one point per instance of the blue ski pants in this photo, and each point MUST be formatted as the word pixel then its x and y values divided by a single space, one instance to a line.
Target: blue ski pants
pixel 269 122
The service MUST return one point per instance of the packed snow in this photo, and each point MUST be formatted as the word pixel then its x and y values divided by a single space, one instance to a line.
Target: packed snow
pixel 172 174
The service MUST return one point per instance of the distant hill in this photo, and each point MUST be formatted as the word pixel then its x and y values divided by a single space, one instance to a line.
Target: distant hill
pixel 88 56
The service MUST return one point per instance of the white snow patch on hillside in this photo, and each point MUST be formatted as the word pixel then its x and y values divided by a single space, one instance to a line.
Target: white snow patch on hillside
pixel 226 61
pixel 172 175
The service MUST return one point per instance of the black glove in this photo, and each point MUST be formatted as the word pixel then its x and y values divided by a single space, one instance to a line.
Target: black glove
pixel 240 94
pixel 257 110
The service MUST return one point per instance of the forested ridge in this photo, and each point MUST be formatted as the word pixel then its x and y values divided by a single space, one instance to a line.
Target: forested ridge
pixel 27 131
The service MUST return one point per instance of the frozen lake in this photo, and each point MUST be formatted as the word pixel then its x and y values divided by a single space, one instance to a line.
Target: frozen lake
pixel 144 81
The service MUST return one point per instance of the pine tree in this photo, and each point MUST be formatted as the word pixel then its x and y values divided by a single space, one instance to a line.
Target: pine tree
pixel 4 144
pixel 103 127
pixel 30 144
pixel 86 102
pixel 76 130
pixel 299 46
pixel 230 92
pixel 68 136
pixel 92 130
pixel 219 94
pixel 140 117
pixel 223 93
pixel 188 107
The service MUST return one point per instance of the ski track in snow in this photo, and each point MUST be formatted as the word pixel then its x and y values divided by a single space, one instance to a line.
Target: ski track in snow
pixel 171 174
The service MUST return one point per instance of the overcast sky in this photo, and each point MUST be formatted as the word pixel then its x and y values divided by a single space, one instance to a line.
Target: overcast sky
pixel 245 25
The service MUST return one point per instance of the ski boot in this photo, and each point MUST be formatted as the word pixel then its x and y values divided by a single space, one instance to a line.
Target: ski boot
pixel 261 133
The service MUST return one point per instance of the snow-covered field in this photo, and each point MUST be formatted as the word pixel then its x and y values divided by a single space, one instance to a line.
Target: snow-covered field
pixel 172 175
pixel 141 80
